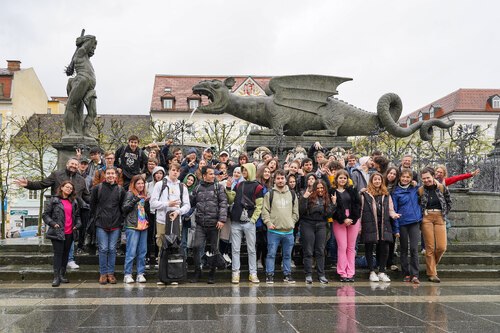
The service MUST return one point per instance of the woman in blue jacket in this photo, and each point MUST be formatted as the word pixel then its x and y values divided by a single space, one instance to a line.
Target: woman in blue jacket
pixel 407 226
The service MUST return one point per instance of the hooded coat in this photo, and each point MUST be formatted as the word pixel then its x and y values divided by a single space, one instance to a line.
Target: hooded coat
pixel 247 194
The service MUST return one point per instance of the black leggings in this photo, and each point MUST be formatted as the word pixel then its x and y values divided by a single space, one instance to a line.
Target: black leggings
pixel 61 252
pixel 383 254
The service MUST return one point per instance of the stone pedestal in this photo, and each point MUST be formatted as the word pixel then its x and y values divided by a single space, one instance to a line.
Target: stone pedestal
pixel 67 148
pixel 290 142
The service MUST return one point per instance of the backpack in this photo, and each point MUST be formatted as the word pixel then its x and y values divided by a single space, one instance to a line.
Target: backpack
pixel 421 189
pixel 271 194
pixel 164 186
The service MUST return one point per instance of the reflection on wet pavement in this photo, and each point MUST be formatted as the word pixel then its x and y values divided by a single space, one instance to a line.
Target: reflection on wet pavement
pixel 452 306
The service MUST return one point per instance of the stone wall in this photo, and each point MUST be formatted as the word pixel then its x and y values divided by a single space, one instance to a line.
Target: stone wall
pixel 475 216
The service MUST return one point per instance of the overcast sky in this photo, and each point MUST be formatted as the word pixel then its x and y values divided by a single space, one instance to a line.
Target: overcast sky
pixel 421 50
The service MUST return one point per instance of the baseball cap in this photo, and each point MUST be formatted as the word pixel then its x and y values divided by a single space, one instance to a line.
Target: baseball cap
pixel 208 149
pixel 224 153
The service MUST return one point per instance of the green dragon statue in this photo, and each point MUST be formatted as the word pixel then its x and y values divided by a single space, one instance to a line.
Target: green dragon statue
pixel 304 105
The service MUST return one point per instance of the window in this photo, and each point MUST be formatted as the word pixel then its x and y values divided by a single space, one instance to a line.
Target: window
pixel 408 121
pixel 420 116
pixel 168 103
pixel 33 195
pixel 49 111
pixel 193 103
pixel 431 112
pixel 495 101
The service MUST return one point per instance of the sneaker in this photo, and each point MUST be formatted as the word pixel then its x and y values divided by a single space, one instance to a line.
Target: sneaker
pixel 72 265
pixel 235 278
pixel 159 283
pixel 253 278
pixel 383 277
pixel 269 279
pixel 141 278
pixel 434 279
pixel 323 279
pixel 288 279
pixel 344 279
pixel 128 279
pixel 407 278
pixel 259 265
pixel 292 265
pixel 394 268
pixel 415 280
pixel 351 279
pixel 373 277
pixel 423 252
pixel 174 283
pixel 309 279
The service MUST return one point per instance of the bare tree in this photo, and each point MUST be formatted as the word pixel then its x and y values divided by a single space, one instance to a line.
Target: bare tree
pixel 7 164
pixel 223 136
pixel 33 145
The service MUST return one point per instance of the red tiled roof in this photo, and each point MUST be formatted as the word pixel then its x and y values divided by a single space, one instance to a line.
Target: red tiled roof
pixel 468 100
pixel 181 88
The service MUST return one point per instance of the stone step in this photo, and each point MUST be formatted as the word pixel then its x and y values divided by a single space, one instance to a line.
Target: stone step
pixel 90 272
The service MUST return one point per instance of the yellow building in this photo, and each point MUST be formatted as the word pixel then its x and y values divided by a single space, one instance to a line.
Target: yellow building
pixel 22 93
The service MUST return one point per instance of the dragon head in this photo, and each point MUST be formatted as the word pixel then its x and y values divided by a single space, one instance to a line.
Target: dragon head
pixel 217 93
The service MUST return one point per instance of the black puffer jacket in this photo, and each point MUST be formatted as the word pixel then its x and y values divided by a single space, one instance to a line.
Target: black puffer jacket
pixel 54 214
pixel 373 230
pixel 129 208
pixel 106 205
pixel 211 204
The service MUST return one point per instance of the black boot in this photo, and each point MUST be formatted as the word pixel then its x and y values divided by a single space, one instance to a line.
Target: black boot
pixel 211 276
pixel 197 276
pixel 61 276
pixel 57 281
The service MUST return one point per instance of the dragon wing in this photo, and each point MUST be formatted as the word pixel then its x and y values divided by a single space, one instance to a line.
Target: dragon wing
pixel 304 92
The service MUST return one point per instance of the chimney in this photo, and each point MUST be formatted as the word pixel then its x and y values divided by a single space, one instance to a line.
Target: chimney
pixel 13 65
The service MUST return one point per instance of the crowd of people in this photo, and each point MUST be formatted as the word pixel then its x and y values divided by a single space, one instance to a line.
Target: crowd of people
pixel 329 204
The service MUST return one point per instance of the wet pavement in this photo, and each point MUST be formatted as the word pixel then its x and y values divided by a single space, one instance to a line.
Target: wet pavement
pixel 452 306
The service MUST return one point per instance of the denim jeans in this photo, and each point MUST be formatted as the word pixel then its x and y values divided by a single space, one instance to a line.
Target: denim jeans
pixel 106 240
pixel 273 241
pixel 137 247
pixel 71 254
pixel 237 231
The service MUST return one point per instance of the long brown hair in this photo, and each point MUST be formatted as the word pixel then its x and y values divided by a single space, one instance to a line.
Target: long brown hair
pixel 314 195
pixel 72 195
pixel 134 181
pixel 382 190
pixel 338 173
pixel 260 177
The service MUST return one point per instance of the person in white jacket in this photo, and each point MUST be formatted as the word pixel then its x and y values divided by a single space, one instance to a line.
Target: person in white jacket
pixel 167 199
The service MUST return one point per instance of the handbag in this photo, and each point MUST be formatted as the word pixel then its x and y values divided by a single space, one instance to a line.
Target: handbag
pixel 52 234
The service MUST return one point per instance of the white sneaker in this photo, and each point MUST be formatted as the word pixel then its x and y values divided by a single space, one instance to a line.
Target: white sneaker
pixel 259 265
pixel 253 278
pixel 374 277
pixel 72 265
pixel 128 279
pixel 235 278
pixel 140 278
pixel 423 252
pixel 383 277
pixel 174 283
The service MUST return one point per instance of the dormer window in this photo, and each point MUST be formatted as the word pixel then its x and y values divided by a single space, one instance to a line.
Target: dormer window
pixel 495 102
pixel 193 103
pixel 168 103
pixel 408 121
pixel 420 116
pixel 432 112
